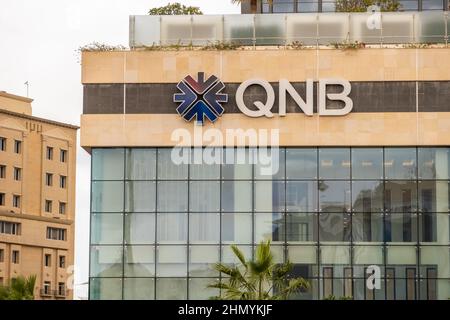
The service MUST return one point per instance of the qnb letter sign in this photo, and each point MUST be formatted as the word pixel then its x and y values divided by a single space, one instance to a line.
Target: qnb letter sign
pixel 307 106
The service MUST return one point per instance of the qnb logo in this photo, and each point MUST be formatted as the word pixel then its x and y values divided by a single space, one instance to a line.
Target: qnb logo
pixel 200 98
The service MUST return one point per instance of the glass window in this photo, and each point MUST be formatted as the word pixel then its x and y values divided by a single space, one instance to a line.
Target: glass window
pixel 107 196
pixel 328 5
pixel 237 196
pixel 204 196
pixel 202 260
pixel 171 289
pixel 139 289
pixel 269 196
pixel 283 6
pixel 140 196
pixel 106 228
pixel 367 255
pixel 400 196
pixel 432 5
pixel 107 164
pixel 307 6
pixel 434 196
pixel 301 227
pixel 334 226
pixel 367 163
pixel 334 163
pixel 173 166
pixel 237 164
pixel 269 226
pixel 301 163
pixel 400 163
pixel 304 255
pixel 401 227
pixel 367 227
pixel 409 5
pixel 334 196
pixel 172 261
pixel 172 227
pixel 105 289
pixel 367 196
pixel 141 164
pixel 204 227
pixel 205 163
pixel 198 289
pixel 139 261
pixel 269 164
pixel 236 227
pixel 106 261
pixel 437 256
pixel 228 255
pixel 428 226
pixel 335 255
pixel 172 196
pixel 301 196
pixel 140 228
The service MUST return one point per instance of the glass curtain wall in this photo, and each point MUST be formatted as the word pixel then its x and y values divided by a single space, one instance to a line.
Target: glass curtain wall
pixel 158 226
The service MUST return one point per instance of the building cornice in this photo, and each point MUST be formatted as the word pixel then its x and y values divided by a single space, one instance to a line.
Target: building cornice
pixel 35 218
pixel 24 116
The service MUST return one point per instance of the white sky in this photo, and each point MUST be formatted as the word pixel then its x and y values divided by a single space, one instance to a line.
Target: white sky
pixel 38 43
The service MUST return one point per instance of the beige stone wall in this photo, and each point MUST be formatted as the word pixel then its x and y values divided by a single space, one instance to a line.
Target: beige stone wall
pixel 32 244
pixel 239 65
pixel 15 103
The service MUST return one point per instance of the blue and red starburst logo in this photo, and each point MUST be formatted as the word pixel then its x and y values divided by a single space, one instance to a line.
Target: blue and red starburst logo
pixel 200 98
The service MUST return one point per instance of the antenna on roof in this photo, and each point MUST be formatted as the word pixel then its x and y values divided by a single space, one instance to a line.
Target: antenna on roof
pixel 28 86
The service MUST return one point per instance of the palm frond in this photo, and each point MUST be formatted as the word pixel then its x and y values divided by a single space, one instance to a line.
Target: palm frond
pixel 239 254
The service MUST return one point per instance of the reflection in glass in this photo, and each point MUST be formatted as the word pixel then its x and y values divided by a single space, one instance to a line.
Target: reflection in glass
pixel 334 196
pixel 172 227
pixel 172 196
pixel 171 261
pixel 269 226
pixel 236 196
pixel 237 227
pixel 107 196
pixel 301 227
pixel 204 196
pixel 139 261
pixel 269 196
pixel 367 227
pixel 205 163
pixel 139 289
pixel 334 163
pixel 434 163
pixel 173 166
pixel 141 164
pixel 107 164
pixel 237 164
pixel 105 289
pixel 171 289
pixel 106 261
pixel 301 163
pixel 202 260
pixel 198 289
pixel 269 164
pixel 434 196
pixel 401 227
pixel 428 225
pixel 334 226
pixel 367 196
pixel 140 228
pixel 400 196
pixel 367 163
pixel 140 196
pixel 301 196
pixel 400 163
pixel 204 227
pixel 106 228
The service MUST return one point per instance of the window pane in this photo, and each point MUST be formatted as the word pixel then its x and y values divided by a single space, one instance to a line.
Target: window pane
pixel 433 225
pixel 140 228
pixel 202 260
pixel 301 227
pixel 172 261
pixel 140 196
pixel 107 164
pixel 139 261
pixel 173 167
pixel 204 228
pixel 367 227
pixel 367 163
pixel 198 289
pixel 400 163
pixel 228 255
pixel 434 196
pixel 335 255
pixel 307 6
pixel 334 196
pixel 367 255
pixel 334 163
pixel 437 256
pixel 270 164
pixel 269 196
pixel 269 226
pixel 301 163
pixel 172 227
pixel 172 196
pixel 434 163
pixel 106 261
pixel 400 196
pixel 367 196
pixel 171 289
pixel 106 228
pixel 204 196
pixel 107 196
pixel 141 164
pixel 301 196
pixel 236 196
pixel 236 227
pixel 105 289
pixel 401 227
pixel 283 6
pixel 205 163
pixel 237 164
pixel 334 226
pixel 139 289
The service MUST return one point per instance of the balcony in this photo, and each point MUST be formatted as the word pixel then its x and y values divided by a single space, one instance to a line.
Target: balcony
pixel 308 29
pixel 47 293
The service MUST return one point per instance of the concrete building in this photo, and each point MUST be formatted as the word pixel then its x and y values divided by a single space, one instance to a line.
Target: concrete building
pixel 363 157
pixel 37 198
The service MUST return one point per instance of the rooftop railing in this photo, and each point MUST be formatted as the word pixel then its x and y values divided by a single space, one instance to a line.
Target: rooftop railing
pixel 309 29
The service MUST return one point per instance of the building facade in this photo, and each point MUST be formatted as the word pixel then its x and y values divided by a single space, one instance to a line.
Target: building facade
pixel 37 198
pixel 367 188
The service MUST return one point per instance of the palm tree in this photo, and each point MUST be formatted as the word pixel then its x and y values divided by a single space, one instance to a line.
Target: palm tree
pixel 258 279
pixel 21 288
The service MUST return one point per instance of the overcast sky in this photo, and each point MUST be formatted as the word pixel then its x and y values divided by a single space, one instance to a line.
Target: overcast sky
pixel 38 44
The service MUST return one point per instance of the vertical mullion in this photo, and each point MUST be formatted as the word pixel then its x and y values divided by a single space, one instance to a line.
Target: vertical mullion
pixel 123 222
pixel 156 221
